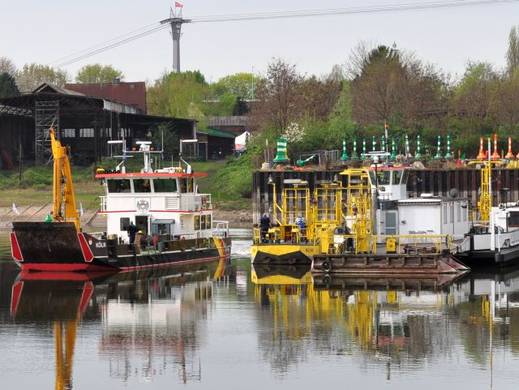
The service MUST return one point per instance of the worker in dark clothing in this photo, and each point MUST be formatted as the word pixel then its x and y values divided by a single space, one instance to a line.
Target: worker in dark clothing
pixel 264 226
pixel 132 231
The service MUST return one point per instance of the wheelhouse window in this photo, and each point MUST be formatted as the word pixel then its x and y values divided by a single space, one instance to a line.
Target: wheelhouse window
pixel 205 222
pixel 165 185
pixel 197 222
pixel 382 178
pixel 513 219
pixel 186 185
pixel 397 175
pixel 141 185
pixel 119 186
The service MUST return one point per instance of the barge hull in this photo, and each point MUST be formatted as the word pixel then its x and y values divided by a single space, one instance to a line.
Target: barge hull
pixel 57 247
pixel 395 264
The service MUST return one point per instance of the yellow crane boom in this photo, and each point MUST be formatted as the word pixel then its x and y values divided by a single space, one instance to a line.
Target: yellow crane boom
pixel 63 196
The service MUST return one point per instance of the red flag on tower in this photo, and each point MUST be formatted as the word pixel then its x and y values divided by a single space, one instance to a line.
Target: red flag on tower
pixel 178 5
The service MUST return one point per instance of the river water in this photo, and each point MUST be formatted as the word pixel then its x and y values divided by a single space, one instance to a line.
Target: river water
pixel 227 326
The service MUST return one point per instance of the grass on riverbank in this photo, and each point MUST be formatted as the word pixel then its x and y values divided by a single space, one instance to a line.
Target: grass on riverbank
pixel 228 182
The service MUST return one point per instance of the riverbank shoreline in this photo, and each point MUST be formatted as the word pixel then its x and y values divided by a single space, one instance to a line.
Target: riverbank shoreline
pixel 91 220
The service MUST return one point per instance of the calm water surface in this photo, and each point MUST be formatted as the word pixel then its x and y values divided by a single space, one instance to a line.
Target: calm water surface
pixel 226 326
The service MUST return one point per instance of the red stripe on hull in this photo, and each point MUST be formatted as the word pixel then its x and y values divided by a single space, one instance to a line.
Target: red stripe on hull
pixel 62 267
pixel 88 256
pixel 16 252
pixel 65 276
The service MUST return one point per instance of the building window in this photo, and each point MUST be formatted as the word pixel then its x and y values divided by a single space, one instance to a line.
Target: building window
pixel 141 185
pixel 106 132
pixel 444 213
pixel 86 133
pixel 125 222
pixel 117 186
pixel 452 212
pixel 68 133
pixel 165 185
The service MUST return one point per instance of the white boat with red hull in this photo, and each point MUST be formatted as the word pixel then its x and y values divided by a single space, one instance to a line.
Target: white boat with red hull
pixel 155 218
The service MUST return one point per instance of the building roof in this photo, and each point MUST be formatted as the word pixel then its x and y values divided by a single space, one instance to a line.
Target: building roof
pixel 129 93
pixel 216 133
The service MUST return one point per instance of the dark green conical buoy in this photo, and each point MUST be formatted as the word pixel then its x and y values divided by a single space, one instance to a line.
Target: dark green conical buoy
pixel 281 151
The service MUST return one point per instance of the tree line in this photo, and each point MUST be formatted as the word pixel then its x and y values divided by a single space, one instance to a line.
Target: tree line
pixel 376 86
pixel 386 85
pixel 14 81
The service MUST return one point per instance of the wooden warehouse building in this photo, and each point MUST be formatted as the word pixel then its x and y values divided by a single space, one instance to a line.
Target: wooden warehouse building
pixel 83 122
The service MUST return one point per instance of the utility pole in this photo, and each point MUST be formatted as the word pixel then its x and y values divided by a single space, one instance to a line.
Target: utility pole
pixel 176 21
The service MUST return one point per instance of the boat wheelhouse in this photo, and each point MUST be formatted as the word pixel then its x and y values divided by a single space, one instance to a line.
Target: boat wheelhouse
pixel 164 203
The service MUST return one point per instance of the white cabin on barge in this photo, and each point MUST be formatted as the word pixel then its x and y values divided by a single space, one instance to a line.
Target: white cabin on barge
pixel 163 202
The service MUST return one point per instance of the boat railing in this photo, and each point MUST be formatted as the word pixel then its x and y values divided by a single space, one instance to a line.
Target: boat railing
pixel 282 234
pixel 102 203
pixel 413 244
pixel 221 229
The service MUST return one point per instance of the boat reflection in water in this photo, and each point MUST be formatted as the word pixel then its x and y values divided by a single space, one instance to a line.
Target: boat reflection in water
pixel 150 320
pixel 403 322
pixel 230 322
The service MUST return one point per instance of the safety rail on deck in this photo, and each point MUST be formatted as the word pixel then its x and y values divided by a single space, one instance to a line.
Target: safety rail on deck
pixel 102 203
pixel 275 235
pixel 221 229
pixel 405 243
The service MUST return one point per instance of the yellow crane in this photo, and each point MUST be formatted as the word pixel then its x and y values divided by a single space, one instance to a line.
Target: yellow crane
pixel 63 196
pixel 485 197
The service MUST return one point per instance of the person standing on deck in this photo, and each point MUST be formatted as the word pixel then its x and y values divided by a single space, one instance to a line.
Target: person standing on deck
pixel 264 226
pixel 132 231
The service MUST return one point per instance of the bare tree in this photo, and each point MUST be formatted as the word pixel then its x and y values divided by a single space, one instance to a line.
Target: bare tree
pixel 7 66
pixel 278 96
pixel 32 75
pixel 512 54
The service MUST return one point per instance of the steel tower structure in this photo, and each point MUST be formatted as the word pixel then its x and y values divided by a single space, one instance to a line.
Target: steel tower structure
pixel 176 21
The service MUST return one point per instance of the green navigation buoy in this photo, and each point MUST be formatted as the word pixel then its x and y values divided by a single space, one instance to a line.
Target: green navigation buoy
pixel 438 154
pixel 407 147
pixel 281 151
pixel 392 157
pixel 354 155
pixel 344 156
pixel 448 154
pixel 418 153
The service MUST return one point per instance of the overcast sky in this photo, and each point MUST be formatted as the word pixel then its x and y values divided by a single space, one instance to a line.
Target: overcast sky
pixel 44 31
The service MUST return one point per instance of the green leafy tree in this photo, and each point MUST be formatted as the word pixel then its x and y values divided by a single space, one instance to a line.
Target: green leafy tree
pixel 98 74
pixel 341 124
pixel 8 86
pixel 240 85
pixel 33 75
pixel 179 95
